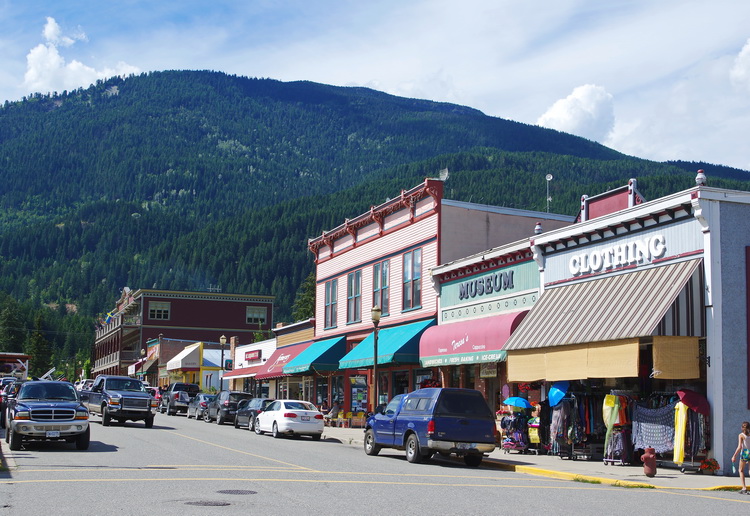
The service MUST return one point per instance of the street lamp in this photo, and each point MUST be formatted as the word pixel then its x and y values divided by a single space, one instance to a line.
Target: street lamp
pixel 223 341
pixel 375 313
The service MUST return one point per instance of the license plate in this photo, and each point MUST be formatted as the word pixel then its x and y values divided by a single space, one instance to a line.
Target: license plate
pixel 53 433
pixel 305 418
pixel 465 446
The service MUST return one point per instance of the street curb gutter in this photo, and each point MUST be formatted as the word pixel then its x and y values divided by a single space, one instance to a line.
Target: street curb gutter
pixel 561 475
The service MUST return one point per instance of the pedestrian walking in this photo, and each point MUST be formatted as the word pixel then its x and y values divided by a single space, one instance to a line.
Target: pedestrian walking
pixel 743 450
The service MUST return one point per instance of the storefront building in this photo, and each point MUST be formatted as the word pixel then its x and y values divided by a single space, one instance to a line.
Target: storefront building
pixel 248 362
pixel 381 258
pixel 482 299
pixel 198 363
pixel 291 340
pixel 646 301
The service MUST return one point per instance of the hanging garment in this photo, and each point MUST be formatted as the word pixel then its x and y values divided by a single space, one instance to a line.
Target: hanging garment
pixel 610 411
pixel 653 428
pixel 680 425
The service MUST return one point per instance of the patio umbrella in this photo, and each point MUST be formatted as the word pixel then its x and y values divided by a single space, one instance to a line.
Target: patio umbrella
pixel 695 401
pixel 516 401
pixel 557 392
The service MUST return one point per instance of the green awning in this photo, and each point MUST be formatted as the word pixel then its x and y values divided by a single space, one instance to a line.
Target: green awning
pixel 398 344
pixel 323 355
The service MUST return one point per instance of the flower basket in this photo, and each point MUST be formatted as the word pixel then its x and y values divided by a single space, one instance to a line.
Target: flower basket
pixel 709 466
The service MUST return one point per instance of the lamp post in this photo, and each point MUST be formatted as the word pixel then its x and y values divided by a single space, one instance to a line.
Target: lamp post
pixel 223 341
pixel 375 313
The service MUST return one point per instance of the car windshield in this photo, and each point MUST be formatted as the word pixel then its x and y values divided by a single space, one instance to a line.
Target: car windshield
pixel 122 384
pixel 299 405
pixel 47 391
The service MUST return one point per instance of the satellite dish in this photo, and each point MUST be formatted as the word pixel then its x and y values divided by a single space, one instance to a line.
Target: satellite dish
pixel 548 177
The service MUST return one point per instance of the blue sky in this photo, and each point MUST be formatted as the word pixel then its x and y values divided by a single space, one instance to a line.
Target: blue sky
pixel 666 79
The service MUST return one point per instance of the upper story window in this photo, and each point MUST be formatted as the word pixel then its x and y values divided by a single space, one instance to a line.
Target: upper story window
pixel 331 302
pixel 354 297
pixel 381 292
pixel 412 279
pixel 256 315
pixel 158 310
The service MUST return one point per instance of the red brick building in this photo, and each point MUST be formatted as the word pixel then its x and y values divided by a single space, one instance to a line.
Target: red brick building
pixel 142 315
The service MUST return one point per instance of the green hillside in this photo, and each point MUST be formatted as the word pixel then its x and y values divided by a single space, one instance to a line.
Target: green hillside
pixel 185 180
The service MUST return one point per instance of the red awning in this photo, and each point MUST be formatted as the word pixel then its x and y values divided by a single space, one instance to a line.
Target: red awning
pixel 244 372
pixel 273 368
pixel 468 342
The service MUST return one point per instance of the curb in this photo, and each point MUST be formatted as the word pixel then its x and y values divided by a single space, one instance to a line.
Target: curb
pixel 561 475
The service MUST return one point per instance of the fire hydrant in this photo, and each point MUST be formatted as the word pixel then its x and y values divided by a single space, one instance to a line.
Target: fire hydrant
pixel 649 462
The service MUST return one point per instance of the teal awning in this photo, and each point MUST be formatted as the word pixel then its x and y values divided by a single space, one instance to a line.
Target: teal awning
pixel 395 344
pixel 323 355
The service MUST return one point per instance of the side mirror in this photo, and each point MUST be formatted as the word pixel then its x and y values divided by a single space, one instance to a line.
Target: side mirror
pixel 380 409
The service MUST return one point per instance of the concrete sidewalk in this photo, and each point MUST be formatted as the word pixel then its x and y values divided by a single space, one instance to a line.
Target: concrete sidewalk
pixel 551 466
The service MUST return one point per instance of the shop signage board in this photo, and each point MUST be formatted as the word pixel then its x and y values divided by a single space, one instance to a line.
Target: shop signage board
pixel 491 292
pixel 638 249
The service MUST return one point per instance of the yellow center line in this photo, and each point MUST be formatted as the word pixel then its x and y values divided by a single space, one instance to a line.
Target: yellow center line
pixel 239 451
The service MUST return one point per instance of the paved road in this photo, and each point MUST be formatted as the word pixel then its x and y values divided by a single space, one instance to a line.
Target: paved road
pixel 189 467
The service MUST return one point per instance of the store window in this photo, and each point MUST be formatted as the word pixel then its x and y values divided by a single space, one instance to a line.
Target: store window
pixel 159 310
pixel 321 390
pixel 337 390
pixel 354 297
pixel 381 273
pixel 256 315
pixel 330 303
pixel 412 295
pixel 359 393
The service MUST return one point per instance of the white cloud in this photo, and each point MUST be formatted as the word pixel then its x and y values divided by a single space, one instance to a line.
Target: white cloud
pixel 47 70
pixel 740 72
pixel 588 111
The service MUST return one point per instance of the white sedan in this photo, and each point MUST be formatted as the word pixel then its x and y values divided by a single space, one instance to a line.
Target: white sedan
pixel 290 417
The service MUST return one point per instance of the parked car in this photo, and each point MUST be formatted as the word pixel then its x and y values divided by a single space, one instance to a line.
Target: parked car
pixel 47 411
pixel 433 420
pixel 153 391
pixel 246 413
pixel 177 397
pixel 198 405
pixel 290 417
pixel 84 385
pixel 224 406
pixel 8 393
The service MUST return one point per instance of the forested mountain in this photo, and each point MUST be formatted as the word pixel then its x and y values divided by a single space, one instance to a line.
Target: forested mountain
pixel 182 180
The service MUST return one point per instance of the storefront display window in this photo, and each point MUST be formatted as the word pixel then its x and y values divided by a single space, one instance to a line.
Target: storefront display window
pixel 359 393
pixel 321 392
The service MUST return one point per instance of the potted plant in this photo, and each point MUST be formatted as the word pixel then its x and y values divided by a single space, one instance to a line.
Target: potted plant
pixel 709 466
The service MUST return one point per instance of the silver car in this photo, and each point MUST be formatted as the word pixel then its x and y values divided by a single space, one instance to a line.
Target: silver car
pixel 290 417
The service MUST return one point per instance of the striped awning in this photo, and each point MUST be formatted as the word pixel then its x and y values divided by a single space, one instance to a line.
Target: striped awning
pixel 616 307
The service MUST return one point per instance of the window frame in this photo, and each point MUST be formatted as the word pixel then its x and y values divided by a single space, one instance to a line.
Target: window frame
pixel 411 297
pixel 159 310
pixel 256 321
pixel 381 286
pixel 331 303
pixel 354 297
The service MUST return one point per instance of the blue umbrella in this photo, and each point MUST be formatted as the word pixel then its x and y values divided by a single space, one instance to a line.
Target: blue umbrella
pixel 516 401
pixel 557 392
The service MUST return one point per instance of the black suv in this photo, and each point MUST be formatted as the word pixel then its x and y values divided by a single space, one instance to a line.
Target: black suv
pixel 224 406
pixel 177 397
pixel 247 412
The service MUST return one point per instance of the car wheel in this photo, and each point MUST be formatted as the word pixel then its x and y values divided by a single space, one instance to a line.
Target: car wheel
pixel 371 447
pixel 275 431
pixel 236 422
pixel 149 421
pixel 206 417
pixel 413 454
pixel 473 460
pixel 220 418
pixel 251 423
pixel 15 440
pixel 256 427
pixel 187 414
pixel 82 441
pixel 106 418
pixel 316 437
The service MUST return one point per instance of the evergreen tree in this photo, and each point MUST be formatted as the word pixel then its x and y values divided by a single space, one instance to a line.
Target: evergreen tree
pixel 304 303
pixel 39 349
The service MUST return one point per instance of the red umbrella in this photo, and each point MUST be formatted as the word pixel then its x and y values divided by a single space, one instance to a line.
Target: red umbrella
pixel 695 401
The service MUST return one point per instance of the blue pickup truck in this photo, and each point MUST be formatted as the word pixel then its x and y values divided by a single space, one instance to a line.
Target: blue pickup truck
pixel 438 420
